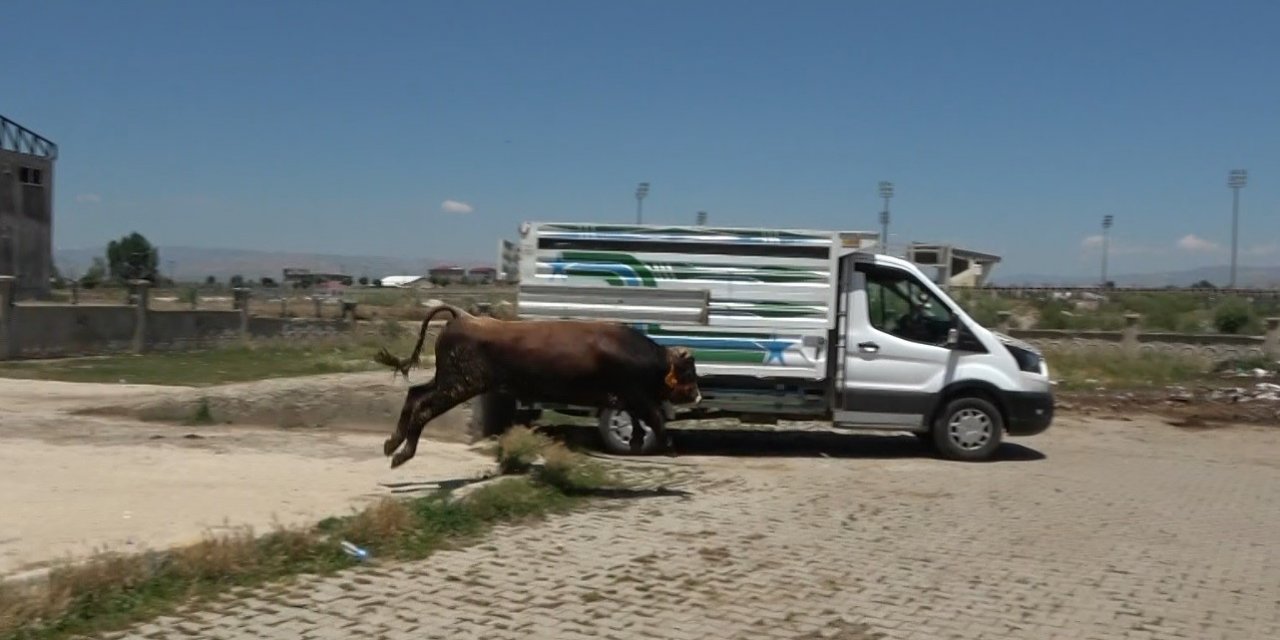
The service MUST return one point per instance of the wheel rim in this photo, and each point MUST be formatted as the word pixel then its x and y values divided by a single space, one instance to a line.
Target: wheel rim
pixel 970 429
pixel 620 427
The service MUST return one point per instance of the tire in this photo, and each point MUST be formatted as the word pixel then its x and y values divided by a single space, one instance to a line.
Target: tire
pixel 926 439
pixel 969 428
pixel 615 429
pixel 491 415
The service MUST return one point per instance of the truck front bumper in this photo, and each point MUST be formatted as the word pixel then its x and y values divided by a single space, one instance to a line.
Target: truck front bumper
pixel 1028 412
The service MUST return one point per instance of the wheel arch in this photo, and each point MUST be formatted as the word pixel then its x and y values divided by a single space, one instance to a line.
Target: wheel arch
pixel 970 388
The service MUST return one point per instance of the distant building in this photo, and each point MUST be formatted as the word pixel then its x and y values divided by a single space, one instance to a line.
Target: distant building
pixel 305 278
pixel 405 281
pixel 26 208
pixel 482 275
pixel 953 266
pixel 448 274
pixel 508 262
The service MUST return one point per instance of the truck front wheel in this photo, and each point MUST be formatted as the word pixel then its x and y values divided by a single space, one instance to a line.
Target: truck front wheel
pixel 969 428
pixel 617 430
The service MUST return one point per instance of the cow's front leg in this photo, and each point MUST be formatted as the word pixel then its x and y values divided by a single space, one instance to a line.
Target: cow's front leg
pixel 658 422
pixel 411 401
pixel 437 401
pixel 637 431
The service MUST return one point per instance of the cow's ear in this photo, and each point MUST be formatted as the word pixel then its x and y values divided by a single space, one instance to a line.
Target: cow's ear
pixel 680 354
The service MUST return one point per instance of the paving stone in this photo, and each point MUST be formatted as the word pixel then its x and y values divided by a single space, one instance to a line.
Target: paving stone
pixel 1117 532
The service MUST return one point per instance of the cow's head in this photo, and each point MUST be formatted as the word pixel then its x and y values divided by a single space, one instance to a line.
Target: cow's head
pixel 682 377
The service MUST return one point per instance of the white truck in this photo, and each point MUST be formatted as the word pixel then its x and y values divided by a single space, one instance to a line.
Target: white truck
pixel 789 325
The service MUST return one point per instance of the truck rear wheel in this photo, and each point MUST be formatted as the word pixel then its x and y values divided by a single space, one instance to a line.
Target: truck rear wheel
pixel 969 428
pixel 616 430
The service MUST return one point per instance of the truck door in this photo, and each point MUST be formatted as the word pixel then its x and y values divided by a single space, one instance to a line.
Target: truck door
pixel 894 356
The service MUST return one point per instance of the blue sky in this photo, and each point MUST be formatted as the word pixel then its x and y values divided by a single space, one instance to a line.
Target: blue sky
pixel 1010 127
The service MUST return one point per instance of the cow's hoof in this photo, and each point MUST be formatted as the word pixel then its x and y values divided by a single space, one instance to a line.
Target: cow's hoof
pixel 389 447
pixel 399 459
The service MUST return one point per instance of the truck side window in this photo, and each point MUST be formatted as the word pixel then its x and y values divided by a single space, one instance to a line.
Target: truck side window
pixel 897 304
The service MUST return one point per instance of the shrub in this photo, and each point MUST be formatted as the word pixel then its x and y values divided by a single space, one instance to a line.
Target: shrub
pixel 519 448
pixel 1233 316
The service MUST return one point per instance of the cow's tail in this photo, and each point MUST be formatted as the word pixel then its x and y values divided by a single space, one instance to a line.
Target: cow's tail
pixel 384 357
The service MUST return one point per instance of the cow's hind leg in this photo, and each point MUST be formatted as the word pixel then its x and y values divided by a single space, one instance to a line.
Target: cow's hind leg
pixel 411 401
pixel 436 401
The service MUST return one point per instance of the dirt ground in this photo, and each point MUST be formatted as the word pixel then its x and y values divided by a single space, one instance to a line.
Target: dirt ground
pixel 72 482
pixel 87 466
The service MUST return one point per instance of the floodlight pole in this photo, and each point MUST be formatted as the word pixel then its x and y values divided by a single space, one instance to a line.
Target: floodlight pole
pixel 642 190
pixel 1236 180
pixel 886 192
pixel 1107 221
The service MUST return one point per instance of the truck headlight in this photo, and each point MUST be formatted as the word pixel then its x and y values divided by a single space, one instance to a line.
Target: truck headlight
pixel 1028 361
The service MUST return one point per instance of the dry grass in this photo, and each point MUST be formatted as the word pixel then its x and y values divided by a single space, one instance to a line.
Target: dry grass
pixel 1086 369
pixel 387 519
pixel 522 449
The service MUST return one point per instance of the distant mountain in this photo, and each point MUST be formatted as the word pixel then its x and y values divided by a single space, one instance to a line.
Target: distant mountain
pixel 1250 277
pixel 197 263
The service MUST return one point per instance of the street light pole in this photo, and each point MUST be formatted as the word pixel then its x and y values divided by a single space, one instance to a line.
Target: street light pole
pixel 642 190
pixel 1236 180
pixel 1107 220
pixel 886 192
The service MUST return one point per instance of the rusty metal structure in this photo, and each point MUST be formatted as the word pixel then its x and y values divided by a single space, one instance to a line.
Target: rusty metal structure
pixel 26 207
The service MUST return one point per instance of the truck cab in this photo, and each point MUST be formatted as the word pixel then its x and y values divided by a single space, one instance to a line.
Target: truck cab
pixel 908 357
pixel 792 325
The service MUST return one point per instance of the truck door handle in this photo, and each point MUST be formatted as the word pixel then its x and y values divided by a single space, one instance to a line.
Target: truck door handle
pixel 868 347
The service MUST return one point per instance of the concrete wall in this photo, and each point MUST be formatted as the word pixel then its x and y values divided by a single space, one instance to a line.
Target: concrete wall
pixel 64 330
pixel 26 223
pixel 1133 340
pixel 177 330
pixel 47 331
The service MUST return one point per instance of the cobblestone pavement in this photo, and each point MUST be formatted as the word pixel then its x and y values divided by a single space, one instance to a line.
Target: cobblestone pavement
pixel 1091 530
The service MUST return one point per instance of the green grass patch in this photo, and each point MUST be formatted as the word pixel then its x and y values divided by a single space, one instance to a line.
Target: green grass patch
pixel 522 449
pixel 1079 369
pixel 276 358
pixel 114 591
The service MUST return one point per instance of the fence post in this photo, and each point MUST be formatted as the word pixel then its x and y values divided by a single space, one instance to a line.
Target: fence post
pixel 1005 322
pixel 1271 343
pixel 141 301
pixel 1129 337
pixel 242 303
pixel 8 350
pixel 317 301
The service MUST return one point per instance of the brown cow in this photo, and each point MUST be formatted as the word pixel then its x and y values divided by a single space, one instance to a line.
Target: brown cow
pixel 582 363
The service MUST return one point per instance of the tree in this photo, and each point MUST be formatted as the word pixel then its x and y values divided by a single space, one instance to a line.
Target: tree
pixel 211 281
pixel 364 281
pixel 237 280
pixel 377 283
pixel 132 258
pixel 268 282
pixel 1203 284
pixel 95 275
